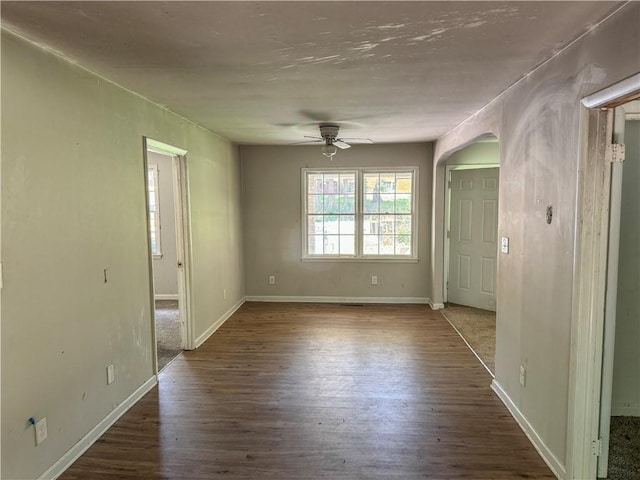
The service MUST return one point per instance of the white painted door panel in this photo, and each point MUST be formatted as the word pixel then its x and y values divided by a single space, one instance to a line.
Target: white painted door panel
pixel 473 237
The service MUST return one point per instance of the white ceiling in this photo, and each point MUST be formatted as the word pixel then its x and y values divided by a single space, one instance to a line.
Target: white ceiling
pixel 270 72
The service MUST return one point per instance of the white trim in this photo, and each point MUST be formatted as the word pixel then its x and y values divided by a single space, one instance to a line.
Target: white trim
pixel 166 296
pixel 549 458
pixel 625 410
pixel 634 117
pixel 360 256
pixel 323 259
pixel 435 306
pixel 322 299
pixel 96 432
pixel 218 323
pixel 614 92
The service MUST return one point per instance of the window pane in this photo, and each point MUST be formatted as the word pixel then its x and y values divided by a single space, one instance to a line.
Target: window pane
pixel 387 245
pixel 152 202
pixel 403 244
pixel 371 203
pixel 315 204
pixel 331 204
pixel 347 225
pixel 347 244
pixel 347 183
pixel 387 224
pixel 370 244
pixel 403 203
pixel 388 182
pixel 314 225
pixel 331 183
pixel 315 244
pixel 387 203
pixel 371 182
pixel 331 244
pixel 371 225
pixel 314 183
pixel 347 204
pixel 403 224
pixel 331 224
pixel 403 182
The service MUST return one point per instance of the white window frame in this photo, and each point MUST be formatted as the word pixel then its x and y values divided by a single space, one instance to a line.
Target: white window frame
pixel 359 216
pixel 154 175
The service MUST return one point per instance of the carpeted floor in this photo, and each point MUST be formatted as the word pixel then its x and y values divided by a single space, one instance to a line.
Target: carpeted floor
pixel 624 449
pixel 478 328
pixel 167 331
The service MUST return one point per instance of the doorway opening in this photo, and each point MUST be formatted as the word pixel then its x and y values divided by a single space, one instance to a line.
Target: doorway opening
pixel 471 245
pixel 605 358
pixel 620 397
pixel 165 168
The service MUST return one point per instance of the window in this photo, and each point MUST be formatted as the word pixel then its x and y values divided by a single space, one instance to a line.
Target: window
pixel 154 210
pixel 362 213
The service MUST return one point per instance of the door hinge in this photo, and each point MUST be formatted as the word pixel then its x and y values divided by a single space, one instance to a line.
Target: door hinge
pixel 615 153
pixel 448 233
pixel 596 447
pixel 449 184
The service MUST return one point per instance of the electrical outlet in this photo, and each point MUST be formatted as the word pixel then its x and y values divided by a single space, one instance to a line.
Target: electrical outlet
pixel 374 279
pixel 41 430
pixel 523 376
pixel 272 279
pixel 111 374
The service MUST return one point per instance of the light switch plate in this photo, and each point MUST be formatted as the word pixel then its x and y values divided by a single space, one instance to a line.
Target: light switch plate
pixel 504 245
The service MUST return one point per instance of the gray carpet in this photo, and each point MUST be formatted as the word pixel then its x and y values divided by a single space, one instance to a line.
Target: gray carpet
pixel 478 328
pixel 167 331
pixel 624 449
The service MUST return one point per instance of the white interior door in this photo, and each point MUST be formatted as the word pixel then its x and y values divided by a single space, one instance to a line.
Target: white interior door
pixel 473 232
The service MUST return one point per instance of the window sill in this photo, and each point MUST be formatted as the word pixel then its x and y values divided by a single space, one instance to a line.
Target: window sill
pixel 359 260
pixel 157 256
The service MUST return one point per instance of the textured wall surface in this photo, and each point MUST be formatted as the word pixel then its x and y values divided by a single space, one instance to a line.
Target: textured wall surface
pixel 272 206
pixel 73 206
pixel 537 123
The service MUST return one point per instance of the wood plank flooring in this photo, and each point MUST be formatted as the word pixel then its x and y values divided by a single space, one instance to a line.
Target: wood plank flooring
pixel 301 391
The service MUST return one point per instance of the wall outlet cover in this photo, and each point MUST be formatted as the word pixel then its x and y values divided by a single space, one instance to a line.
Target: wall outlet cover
pixel 41 430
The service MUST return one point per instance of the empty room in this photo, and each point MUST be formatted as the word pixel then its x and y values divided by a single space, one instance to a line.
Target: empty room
pixel 306 240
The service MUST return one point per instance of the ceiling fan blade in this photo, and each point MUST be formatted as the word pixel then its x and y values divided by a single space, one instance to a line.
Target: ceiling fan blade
pixel 315 138
pixel 341 144
pixel 356 140
pixel 308 141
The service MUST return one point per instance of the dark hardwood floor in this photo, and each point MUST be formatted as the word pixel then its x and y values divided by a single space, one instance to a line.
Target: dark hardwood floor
pixel 300 391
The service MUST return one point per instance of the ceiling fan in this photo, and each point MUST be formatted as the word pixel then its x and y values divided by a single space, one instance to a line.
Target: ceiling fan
pixel 329 136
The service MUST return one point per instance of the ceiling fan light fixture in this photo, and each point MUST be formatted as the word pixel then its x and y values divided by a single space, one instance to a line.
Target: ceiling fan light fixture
pixel 329 150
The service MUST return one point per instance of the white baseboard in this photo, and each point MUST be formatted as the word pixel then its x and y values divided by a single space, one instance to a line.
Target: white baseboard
pixel 435 306
pixel 96 432
pixel 217 324
pixel 625 410
pixel 166 296
pixel 322 299
pixel 549 458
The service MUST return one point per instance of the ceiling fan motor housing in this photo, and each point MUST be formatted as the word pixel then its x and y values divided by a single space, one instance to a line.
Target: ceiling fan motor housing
pixel 329 133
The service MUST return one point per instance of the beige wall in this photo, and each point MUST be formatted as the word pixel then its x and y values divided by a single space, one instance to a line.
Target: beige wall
pixel 73 204
pixel 478 153
pixel 165 273
pixel 537 123
pixel 272 218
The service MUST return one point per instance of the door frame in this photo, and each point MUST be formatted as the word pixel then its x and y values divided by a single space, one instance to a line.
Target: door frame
pixel 447 215
pixel 183 241
pixel 590 273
